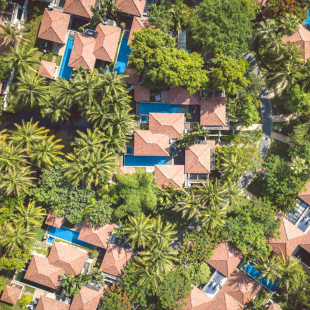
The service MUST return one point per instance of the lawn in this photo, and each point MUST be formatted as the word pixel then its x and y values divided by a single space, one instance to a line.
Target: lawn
pixel 4 306
pixel 29 289
pixel 278 148
pixel 277 106
pixel 39 233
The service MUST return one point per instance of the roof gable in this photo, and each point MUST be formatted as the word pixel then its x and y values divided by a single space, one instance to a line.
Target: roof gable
pixel 169 174
pixel 46 303
pixel 53 220
pixel 138 24
pixel 132 7
pixel 142 93
pixel 180 95
pixel 10 294
pixel 87 299
pixel 79 7
pixel 47 69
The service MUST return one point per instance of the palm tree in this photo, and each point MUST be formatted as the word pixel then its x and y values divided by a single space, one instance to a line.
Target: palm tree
pixel 214 218
pixel 14 237
pixel 73 284
pixel 233 190
pixel 292 53
pixel 138 231
pixel 275 44
pixel 113 85
pixel 32 90
pixel 289 24
pixel 233 166
pixel 211 195
pixel 114 142
pixel 29 216
pixel 21 58
pixel 190 206
pixel 54 109
pixel 298 165
pixel 97 275
pixel 65 92
pixel 266 29
pixel 28 134
pixel 269 269
pixel 12 34
pixel 16 181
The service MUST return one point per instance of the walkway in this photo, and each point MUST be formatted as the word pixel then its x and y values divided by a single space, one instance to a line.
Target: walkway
pixel 280 137
pixel 284 117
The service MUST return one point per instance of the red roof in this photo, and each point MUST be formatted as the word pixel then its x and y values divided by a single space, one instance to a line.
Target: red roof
pixel 10 294
pixel 225 258
pixel 132 7
pixel 300 38
pixel 54 26
pixel 148 144
pixel 169 174
pixel 67 257
pixel 138 24
pixel 107 38
pixel 142 93
pixel 124 170
pixel 42 272
pixel 79 7
pixel 133 78
pixel 98 236
pixel 180 95
pixel 198 157
pixel 47 69
pixel 170 124
pixel 290 237
pixel 83 52
pixel 223 301
pixel 115 260
pixel 274 306
pixel 213 112
pixel 46 303
pixel 86 299
pixel 305 195
pixel 197 300
pixel 53 220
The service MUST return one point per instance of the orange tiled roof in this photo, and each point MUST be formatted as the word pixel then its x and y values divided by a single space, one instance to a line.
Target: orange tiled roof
pixel 274 306
pixel 197 300
pixel 133 78
pixel 305 194
pixel 54 26
pixel 223 301
pixel 213 112
pixel 86 299
pixel 198 157
pixel 115 260
pixel 138 24
pixel 124 170
pixel 170 124
pixel 148 144
pixel 53 220
pixel 132 7
pixel 225 258
pixel 169 174
pixel 79 7
pixel 180 95
pixel 46 303
pixel 47 69
pixel 98 236
pixel 141 93
pixel 10 294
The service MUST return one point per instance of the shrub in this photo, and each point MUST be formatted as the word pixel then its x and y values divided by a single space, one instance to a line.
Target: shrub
pixel 24 301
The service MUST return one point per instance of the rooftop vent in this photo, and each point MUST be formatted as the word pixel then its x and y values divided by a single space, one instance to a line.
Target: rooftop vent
pixel 90 32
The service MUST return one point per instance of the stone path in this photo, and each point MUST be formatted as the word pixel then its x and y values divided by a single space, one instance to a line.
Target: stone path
pixel 284 117
pixel 280 137
pixel 252 127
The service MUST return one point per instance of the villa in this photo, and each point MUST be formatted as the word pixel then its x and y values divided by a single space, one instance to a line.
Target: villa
pixel 11 294
pixel 47 303
pixel 86 299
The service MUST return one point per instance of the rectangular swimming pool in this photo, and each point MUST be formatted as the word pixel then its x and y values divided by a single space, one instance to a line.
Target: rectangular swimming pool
pixel 146 161
pixel 123 55
pixel 146 108
pixel 65 70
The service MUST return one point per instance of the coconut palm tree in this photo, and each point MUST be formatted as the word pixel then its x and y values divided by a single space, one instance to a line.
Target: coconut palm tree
pixel 298 165
pixel 113 85
pixel 16 181
pixel 73 284
pixel 289 24
pixel 190 206
pixel 98 116
pixel 211 195
pixel 28 134
pixel 233 190
pixel 12 34
pixel 32 90
pixel 266 29
pixel 114 142
pixel 65 92
pixel 21 58
pixel 138 231
pixel 269 269
pixel 214 218
pixel 275 44
pixel 14 237
pixel 96 275
pixel 29 216
pixel 233 166
pixel 46 152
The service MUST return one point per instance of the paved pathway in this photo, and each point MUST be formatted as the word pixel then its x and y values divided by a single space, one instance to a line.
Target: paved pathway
pixel 284 117
pixel 280 137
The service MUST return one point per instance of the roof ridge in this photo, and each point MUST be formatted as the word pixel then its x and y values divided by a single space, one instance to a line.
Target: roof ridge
pixel 81 3
pixel 52 29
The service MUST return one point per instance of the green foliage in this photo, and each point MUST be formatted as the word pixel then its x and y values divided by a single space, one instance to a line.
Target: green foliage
pixel 282 7
pixel 8 207
pixel 198 133
pixel 99 213
pixel 73 284
pixel 199 273
pixel 116 299
pixel 300 142
pixel 24 301
pixel 5 69
pixel 2 283
pixel 93 253
pixel 14 260
pixel 296 100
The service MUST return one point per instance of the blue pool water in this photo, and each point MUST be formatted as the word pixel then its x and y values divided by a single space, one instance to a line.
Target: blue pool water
pixel 255 274
pixel 146 161
pixel 65 70
pixel 129 149
pixel 146 108
pixel 123 55
pixel 68 235
pixel 307 21
pixel 50 240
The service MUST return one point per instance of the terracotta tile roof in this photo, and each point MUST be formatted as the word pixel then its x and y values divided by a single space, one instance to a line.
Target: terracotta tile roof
pixel 132 7
pixel 86 299
pixel 241 287
pixel 46 303
pixel 198 158
pixel 213 112
pixel 180 95
pixel 148 144
pixel 305 194
pixel 124 170
pixel 107 38
pixel 133 78
pixel 82 52
pixel 300 38
pixel 54 26
pixel 115 260
pixel 42 272
pixel 290 237
pixel 274 306
pixel 225 258
pixel 10 294
pixel 47 69
pixel 79 7
pixel 169 174
pixel 98 236
pixel 197 300
pixel 138 24
pixel 53 220
pixel 67 257
pixel 223 301
pixel 170 124
pixel 141 93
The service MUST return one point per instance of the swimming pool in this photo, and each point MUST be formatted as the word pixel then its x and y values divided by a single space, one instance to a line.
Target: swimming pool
pixel 68 235
pixel 146 161
pixel 65 70
pixel 146 108
pixel 307 21
pixel 255 274
pixel 50 240
pixel 123 55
